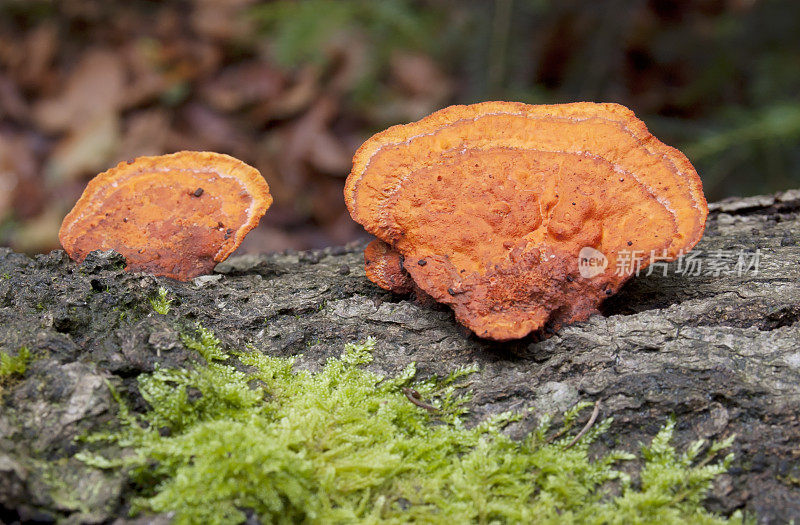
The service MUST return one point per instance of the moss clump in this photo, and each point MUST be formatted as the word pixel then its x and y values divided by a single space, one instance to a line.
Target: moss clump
pixel 346 445
pixel 14 365
pixel 161 302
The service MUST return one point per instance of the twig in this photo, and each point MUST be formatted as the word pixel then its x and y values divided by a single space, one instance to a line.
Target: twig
pixel 556 435
pixel 414 397
pixel 587 426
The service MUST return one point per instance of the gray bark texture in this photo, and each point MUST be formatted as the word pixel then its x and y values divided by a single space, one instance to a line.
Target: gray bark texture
pixel 718 349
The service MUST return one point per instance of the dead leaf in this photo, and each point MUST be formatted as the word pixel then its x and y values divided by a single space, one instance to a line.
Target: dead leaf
pixel 93 89
pixel 243 84
pixel 419 76
pixel 147 80
pixel 20 191
pixel 39 235
pixel 329 155
pixel 145 134
pixel 11 102
pixel 40 50
pixel 293 99
pixel 86 151
pixel 222 19
pixel 202 128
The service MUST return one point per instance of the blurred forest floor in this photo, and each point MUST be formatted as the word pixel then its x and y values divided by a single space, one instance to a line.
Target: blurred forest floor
pixel 293 88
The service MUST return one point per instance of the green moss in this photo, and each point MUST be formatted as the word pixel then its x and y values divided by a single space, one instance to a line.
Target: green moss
pixel 345 445
pixel 161 303
pixel 205 343
pixel 14 365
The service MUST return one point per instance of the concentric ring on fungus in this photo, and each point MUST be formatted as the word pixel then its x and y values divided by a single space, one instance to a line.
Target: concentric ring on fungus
pixel 174 215
pixel 489 206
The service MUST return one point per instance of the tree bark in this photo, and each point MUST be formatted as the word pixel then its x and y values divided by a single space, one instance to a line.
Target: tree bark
pixel 717 347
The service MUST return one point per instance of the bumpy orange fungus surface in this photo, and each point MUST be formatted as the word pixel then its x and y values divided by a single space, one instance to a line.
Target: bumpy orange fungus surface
pixel 491 205
pixel 384 267
pixel 174 215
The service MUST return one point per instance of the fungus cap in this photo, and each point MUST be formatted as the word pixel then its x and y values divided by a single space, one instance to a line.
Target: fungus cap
pixel 175 215
pixel 491 204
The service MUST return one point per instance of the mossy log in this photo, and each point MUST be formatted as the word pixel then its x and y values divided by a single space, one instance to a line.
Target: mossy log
pixel 713 344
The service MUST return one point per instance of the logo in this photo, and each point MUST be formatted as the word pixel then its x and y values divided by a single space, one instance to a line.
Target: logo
pixel 591 262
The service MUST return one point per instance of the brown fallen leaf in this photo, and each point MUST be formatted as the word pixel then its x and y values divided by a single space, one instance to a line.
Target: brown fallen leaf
pixel 145 134
pixel 243 84
pixel 93 89
pixel 85 150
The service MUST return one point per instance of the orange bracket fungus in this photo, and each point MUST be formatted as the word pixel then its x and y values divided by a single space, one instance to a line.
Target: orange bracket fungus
pixel 174 215
pixel 520 216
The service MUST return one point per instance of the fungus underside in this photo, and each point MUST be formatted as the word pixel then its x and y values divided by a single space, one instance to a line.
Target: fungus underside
pixel 245 433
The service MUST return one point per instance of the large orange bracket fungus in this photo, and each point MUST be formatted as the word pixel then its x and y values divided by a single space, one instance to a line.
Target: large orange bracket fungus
pixel 174 215
pixel 521 216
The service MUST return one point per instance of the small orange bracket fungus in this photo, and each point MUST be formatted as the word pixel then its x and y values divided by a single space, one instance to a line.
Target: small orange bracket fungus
pixel 518 216
pixel 174 215
pixel 384 267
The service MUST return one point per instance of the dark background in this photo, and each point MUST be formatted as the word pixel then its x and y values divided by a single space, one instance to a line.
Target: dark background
pixel 293 88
